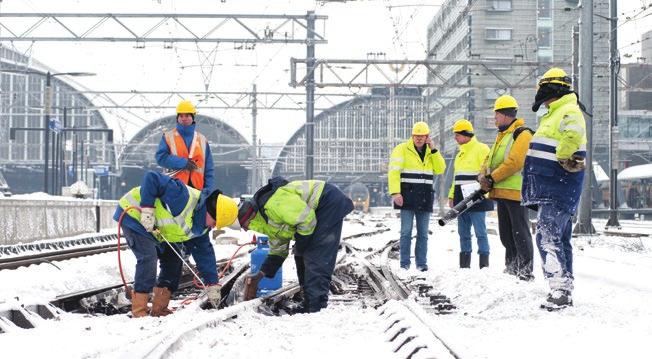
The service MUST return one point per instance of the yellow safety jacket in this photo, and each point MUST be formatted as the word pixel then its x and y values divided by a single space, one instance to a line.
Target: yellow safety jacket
pixel 505 162
pixel 173 228
pixel 412 177
pixel 467 165
pixel 290 209
pixel 561 134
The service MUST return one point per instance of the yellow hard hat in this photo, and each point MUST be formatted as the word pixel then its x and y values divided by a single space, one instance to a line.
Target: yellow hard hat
pixel 505 101
pixel 420 128
pixel 186 107
pixel 556 76
pixel 226 211
pixel 463 125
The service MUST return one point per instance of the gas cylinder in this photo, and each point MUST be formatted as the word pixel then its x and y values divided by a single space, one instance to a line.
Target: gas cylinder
pixel 258 255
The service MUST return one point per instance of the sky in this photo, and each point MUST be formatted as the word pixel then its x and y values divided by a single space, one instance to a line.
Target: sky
pixel 396 28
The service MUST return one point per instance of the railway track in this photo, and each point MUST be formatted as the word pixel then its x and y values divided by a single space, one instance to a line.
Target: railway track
pixel 405 306
pixel 22 255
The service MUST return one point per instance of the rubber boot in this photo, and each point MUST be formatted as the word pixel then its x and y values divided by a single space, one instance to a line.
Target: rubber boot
pixel 160 302
pixel 465 260
pixel 484 260
pixel 139 304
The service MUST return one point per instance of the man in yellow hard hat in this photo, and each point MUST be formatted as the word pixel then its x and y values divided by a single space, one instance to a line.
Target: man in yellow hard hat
pixel 411 174
pixel 171 214
pixel 552 180
pixel 501 177
pixel 185 152
pixel 468 163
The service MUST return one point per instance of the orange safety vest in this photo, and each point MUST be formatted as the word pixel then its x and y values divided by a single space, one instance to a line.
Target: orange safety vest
pixel 178 148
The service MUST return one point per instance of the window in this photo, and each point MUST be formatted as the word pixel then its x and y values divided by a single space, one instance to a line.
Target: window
pixel 499 5
pixel 544 9
pixel 498 34
pixel 544 37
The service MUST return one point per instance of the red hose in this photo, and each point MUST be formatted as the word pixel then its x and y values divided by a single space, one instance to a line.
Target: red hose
pixel 122 275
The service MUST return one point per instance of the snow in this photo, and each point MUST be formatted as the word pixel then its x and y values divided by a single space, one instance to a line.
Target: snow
pixel 636 172
pixel 498 316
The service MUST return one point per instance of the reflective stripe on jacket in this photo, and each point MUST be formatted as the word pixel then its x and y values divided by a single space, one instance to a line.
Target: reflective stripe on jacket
pixel 178 148
pixel 413 178
pixel 561 134
pixel 468 162
pixel 173 228
pixel 505 162
pixel 288 210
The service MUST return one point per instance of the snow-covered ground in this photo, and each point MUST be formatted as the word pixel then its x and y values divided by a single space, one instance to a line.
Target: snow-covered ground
pixel 497 316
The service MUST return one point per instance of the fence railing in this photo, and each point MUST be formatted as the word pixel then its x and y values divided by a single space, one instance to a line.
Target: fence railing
pixel 29 220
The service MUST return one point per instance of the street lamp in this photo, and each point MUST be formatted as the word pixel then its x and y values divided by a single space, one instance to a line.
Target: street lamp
pixel 48 107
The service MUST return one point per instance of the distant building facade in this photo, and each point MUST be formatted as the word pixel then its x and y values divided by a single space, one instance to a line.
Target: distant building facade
pixel 22 89
pixel 509 31
pixel 353 140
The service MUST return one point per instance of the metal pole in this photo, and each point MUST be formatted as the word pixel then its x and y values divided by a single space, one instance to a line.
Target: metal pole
pixel 310 96
pixel 46 133
pixel 254 164
pixel 614 67
pixel 584 225
pixel 63 169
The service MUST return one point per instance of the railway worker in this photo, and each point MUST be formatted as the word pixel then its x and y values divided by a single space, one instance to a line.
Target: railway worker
pixel 552 180
pixel 468 162
pixel 501 177
pixel 310 212
pixel 172 214
pixel 185 152
pixel 411 173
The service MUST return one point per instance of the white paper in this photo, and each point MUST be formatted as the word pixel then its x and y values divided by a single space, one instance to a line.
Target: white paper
pixel 469 188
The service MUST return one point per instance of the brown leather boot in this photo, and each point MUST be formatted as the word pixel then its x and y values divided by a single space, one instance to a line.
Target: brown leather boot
pixel 139 304
pixel 160 302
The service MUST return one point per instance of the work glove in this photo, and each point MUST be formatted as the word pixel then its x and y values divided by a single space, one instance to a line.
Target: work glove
pixel 214 294
pixel 573 164
pixel 191 165
pixel 147 218
pixel 251 285
pixel 486 182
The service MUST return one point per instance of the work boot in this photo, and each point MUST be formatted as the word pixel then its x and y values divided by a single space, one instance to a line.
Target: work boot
pixel 465 260
pixel 484 260
pixel 139 304
pixel 557 300
pixel 160 302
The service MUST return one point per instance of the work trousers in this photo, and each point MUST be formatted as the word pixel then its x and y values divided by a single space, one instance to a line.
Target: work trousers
pixel 514 230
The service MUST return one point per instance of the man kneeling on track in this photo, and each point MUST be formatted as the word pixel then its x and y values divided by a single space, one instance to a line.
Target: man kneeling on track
pixel 171 214
pixel 310 212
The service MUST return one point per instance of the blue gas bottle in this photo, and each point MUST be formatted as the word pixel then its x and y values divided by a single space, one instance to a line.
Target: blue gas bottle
pixel 258 255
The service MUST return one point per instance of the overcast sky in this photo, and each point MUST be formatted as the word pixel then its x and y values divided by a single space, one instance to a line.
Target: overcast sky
pixel 354 28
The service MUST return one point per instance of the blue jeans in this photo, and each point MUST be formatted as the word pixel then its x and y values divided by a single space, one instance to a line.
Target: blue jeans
pixel 421 246
pixel 554 230
pixel 464 223
pixel 203 253
pixel 148 251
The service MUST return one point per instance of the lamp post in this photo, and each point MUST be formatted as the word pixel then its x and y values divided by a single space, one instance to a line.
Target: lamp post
pixel 48 107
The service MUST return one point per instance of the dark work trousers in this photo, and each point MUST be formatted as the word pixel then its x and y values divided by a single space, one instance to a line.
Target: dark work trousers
pixel 513 225
pixel 148 251
pixel 319 253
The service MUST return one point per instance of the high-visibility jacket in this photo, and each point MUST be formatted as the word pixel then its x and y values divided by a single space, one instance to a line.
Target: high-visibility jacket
pixel 285 210
pixel 505 162
pixel 178 148
pixel 173 228
pixel 467 165
pixel 561 134
pixel 412 177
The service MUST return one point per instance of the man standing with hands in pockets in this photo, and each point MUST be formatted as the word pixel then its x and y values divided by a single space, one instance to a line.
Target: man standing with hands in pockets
pixel 411 173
